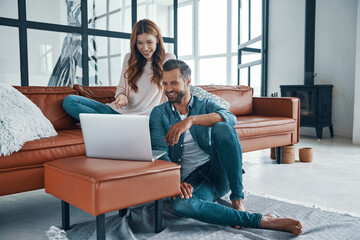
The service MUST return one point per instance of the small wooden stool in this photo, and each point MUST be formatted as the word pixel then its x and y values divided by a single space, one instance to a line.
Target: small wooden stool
pixel 99 186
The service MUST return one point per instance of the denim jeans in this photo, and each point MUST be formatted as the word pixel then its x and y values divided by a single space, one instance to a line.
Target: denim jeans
pixel 213 180
pixel 74 105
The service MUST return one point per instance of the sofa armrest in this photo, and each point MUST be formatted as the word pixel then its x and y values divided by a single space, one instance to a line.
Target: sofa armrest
pixel 278 107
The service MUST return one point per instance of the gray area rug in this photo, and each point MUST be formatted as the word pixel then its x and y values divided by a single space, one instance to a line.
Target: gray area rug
pixel 139 224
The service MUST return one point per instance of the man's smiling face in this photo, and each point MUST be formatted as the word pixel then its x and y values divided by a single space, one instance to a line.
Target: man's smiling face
pixel 175 87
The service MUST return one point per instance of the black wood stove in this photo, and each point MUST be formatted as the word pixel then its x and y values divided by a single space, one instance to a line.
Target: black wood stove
pixel 315 105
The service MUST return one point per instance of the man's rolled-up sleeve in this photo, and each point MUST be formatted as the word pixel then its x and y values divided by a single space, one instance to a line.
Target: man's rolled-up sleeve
pixel 158 133
pixel 213 107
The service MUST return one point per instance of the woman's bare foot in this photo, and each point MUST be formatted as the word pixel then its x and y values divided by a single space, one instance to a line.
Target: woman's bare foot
pixel 270 221
pixel 238 205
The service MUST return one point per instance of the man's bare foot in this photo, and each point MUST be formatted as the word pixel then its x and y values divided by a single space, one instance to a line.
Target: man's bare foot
pixel 270 221
pixel 238 205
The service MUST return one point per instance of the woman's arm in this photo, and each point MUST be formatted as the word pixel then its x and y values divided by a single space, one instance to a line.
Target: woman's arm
pixel 123 86
pixel 121 93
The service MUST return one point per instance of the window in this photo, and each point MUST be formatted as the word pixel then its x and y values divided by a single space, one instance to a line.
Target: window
pixel 253 45
pixel 112 15
pixel 208 39
pixel 9 55
pixel 105 64
pixel 66 13
pixel 185 30
pixel 48 56
pixel 8 9
pixel 47 47
pixel 161 12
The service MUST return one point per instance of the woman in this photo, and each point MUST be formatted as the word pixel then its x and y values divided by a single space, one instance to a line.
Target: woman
pixel 139 90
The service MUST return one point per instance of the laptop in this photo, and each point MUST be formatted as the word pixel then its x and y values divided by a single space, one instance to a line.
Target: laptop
pixel 116 136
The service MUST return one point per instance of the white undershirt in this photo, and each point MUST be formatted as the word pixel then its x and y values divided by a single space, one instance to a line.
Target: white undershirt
pixel 192 155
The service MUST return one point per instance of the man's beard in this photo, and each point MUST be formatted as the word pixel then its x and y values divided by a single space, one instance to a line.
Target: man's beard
pixel 180 95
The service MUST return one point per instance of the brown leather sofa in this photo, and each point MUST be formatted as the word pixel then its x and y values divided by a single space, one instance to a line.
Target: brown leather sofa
pixel 262 123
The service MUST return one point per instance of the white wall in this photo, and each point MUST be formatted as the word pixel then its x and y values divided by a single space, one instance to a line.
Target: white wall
pixel 286 43
pixel 356 128
pixel 335 42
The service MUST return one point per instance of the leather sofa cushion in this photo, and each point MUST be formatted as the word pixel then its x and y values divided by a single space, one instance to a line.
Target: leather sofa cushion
pixel 240 97
pixel 68 143
pixel 256 126
pixel 49 100
pixel 22 180
pixel 100 94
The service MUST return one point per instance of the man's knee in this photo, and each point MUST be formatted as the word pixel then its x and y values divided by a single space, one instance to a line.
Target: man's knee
pixel 222 130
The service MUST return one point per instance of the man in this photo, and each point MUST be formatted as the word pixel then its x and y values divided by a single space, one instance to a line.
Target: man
pixel 199 135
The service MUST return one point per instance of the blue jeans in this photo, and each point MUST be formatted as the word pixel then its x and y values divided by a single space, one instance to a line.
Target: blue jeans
pixel 74 105
pixel 213 180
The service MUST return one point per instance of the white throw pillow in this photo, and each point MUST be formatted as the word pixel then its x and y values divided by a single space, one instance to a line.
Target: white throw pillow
pixel 201 93
pixel 20 121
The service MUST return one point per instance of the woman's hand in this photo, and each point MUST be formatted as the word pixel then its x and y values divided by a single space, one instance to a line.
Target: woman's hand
pixel 185 190
pixel 121 101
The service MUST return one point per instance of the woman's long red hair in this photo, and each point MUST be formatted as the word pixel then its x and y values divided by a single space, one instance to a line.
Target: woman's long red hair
pixel 137 61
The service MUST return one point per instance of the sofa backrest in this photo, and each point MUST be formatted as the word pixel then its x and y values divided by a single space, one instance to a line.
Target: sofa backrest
pixel 49 100
pixel 240 97
pixel 100 94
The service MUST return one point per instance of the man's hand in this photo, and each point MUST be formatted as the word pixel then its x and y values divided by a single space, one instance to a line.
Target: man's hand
pixel 121 101
pixel 173 135
pixel 185 190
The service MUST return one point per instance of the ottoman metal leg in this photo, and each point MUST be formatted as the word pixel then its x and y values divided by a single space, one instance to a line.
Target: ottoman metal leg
pixel 122 212
pixel 158 216
pixel 65 215
pixel 100 227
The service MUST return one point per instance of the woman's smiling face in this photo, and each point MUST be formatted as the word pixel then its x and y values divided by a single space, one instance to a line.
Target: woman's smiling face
pixel 146 44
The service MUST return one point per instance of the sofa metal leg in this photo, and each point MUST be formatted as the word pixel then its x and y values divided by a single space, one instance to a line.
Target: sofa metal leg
pixel 100 227
pixel 65 215
pixel 158 216
pixel 122 212
pixel 279 155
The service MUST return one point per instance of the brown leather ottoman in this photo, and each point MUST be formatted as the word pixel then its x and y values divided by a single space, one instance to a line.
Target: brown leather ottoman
pixel 99 186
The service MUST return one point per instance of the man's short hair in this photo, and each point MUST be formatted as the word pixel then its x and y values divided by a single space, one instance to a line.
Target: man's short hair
pixel 172 64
